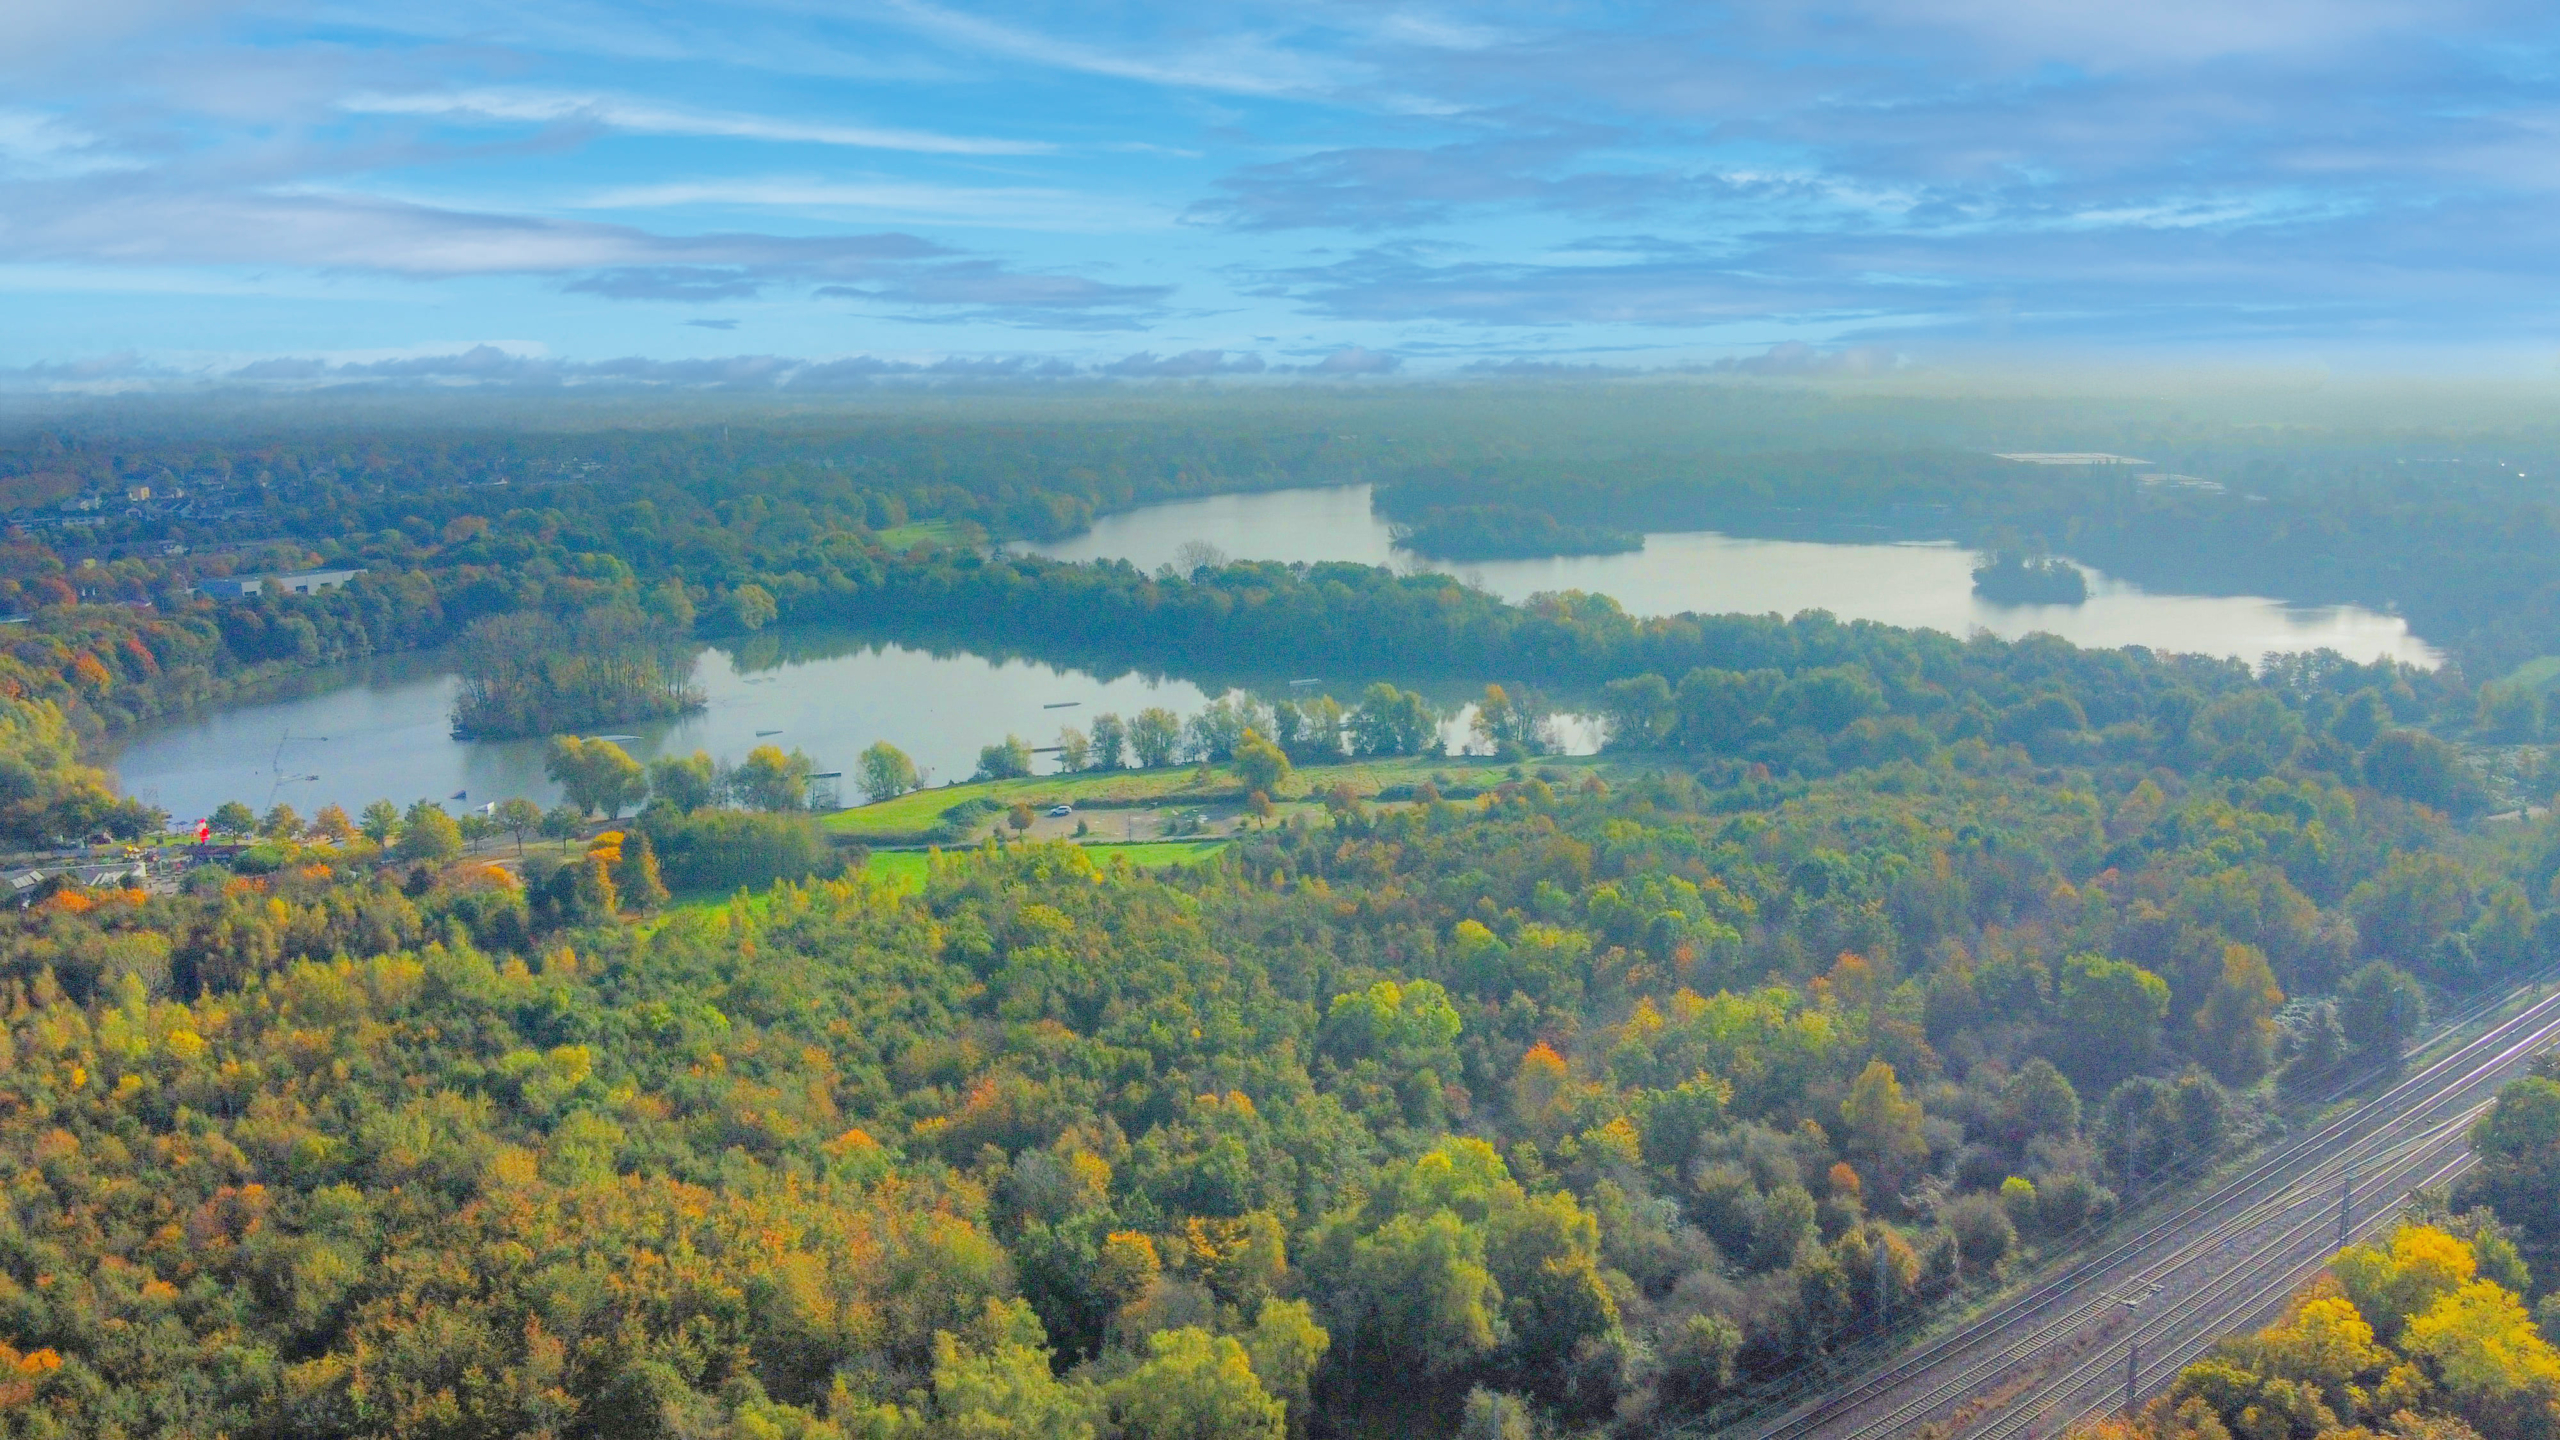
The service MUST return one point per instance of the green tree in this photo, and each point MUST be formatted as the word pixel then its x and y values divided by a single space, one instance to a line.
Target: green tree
pixel 1494 1415
pixel 518 816
pixel 1155 737
pixel 1107 745
pixel 1318 737
pixel 428 834
pixel 1193 1386
pixel 2415 765
pixel 2111 1013
pixel 562 823
pixel 885 772
pixel 1423 1297
pixel 688 782
pixel 1983 1233
pixel 751 607
pixel 1009 759
pixel 2510 713
pixel 1829 699
pixel 2248 733
pixel 2402 912
pixel 1000 1387
pixel 1389 721
pixel 2517 1144
pixel 1286 1345
pixel 234 819
pixel 669 605
pixel 2382 1007
pixel 380 821
pixel 1075 752
pixel 280 823
pixel 1698 1363
pixel 1510 725
pixel 1260 764
pixel 1640 712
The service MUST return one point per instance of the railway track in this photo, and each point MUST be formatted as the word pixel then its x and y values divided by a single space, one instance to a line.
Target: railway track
pixel 2211 1265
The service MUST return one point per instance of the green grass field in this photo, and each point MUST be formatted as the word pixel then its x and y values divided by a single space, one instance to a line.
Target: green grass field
pixel 899 537
pixel 1157 854
pixel 906 870
pixel 2541 672
pixel 915 813
pixel 919 810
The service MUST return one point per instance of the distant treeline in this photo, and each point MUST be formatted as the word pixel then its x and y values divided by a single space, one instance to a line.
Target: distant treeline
pixel 2464 555
pixel 455 528
pixel 1507 532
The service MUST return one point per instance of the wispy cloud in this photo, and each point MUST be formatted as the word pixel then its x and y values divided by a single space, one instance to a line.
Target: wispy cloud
pixel 640 117
pixel 1440 182
pixel 36 145
pixel 1238 63
pixel 1018 207
pixel 1189 365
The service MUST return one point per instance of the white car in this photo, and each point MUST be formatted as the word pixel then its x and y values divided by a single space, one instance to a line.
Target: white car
pixel 1062 809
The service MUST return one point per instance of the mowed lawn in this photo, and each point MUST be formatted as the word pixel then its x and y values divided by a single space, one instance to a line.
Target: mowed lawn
pixel 920 810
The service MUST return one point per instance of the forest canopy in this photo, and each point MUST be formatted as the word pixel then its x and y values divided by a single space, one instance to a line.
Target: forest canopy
pixel 1863 969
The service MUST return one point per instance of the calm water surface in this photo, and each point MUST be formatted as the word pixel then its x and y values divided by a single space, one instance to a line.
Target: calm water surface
pixel 1911 584
pixel 379 731
pixel 383 732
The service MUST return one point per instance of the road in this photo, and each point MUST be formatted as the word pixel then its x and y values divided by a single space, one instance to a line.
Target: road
pixel 2223 1261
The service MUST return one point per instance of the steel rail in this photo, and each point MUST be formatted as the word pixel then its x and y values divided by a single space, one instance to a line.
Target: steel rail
pixel 2265 1179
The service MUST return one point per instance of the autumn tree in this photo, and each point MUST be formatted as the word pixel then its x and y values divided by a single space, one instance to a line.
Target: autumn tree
pixel 885 772
pixel 595 775
pixel 1260 764
pixel 2235 1027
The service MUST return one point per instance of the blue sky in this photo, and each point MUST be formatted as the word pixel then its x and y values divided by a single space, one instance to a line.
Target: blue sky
pixel 681 191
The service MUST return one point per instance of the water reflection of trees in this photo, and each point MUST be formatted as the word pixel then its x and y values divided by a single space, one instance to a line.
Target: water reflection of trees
pixel 781 648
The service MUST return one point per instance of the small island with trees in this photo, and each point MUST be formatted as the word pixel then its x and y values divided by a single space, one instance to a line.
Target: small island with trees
pixel 2012 577
pixel 537 674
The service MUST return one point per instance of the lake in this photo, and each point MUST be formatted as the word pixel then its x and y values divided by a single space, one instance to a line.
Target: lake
pixel 379 730
pixel 1916 584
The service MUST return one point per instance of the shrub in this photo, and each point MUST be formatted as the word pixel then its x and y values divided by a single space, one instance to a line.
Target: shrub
pixel 726 849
